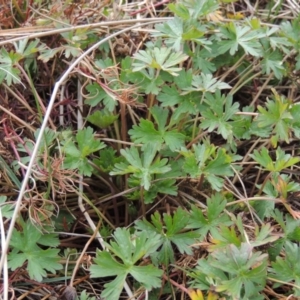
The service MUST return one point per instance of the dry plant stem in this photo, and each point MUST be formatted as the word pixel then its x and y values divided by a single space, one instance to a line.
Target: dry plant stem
pixel 28 107
pixel 43 126
pixel 267 81
pixel 121 142
pixel 83 252
pixel 104 178
pixel 98 212
pixel 32 87
pixel 107 198
pixel 189 197
pixel 242 113
pixel 233 68
pixel 181 287
pixel 247 157
pixel 17 7
pixel 245 79
pixel 147 8
pixel 12 145
pixel 132 117
pixel 123 122
pixel 80 186
pixel 17 118
pixel 245 194
pixel 254 199
pixel 48 17
pixel 61 107
pixel 235 191
pixel 284 282
pixel 27 294
pixel 271 76
pixel 118 137
pixel 87 26
pixel 150 100
pixel 5 272
pixel 35 94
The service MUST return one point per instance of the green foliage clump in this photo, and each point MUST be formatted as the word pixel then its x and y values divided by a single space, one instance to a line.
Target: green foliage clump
pixel 191 140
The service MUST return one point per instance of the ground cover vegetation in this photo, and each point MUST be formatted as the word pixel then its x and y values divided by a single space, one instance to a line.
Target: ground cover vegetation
pixel 150 149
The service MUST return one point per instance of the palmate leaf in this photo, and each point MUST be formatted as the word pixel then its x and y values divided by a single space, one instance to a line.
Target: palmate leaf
pixel 272 62
pixel 76 155
pixel 203 8
pixel 282 161
pixel 276 39
pixel 179 10
pixel 133 157
pixel 204 272
pixel 263 158
pixel 87 143
pixel 146 80
pixel 142 167
pixel 142 274
pixel 7 209
pixel 242 36
pixel 160 59
pixel 176 31
pixel 242 123
pixel 184 79
pixel 146 131
pixel 162 186
pixel 214 216
pixel 129 249
pixel 8 70
pixel 264 236
pixel 85 296
pixel 287 269
pixel 109 266
pixel 218 114
pixel 203 62
pixel 97 94
pixel 237 271
pixel 22 47
pixel 277 115
pixel 113 289
pixel 38 262
pixel 220 164
pixel 130 252
pixel 172 31
pixel 102 119
pixel 224 236
pixel 174 227
pixel 172 95
pixel 205 83
pixel 9 58
pixel 46 54
pixel 170 229
pixel 26 249
pixel 9 74
pixel 107 159
pixel 291 30
pixel 235 260
pixel 207 160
